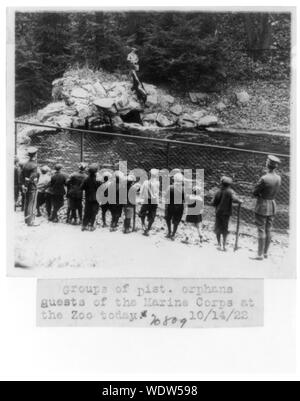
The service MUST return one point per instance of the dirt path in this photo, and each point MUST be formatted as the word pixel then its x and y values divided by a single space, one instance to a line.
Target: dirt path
pixel 60 250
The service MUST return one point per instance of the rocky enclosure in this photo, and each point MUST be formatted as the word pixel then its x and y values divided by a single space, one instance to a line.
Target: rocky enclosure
pixel 84 98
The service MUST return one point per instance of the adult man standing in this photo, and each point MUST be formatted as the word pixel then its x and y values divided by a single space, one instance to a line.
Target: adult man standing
pixel 29 180
pixel 266 191
pixel 75 194
pixel 17 178
pixel 58 190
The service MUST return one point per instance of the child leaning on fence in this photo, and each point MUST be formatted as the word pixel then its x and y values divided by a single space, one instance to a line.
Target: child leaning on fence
pixel 195 211
pixel 223 202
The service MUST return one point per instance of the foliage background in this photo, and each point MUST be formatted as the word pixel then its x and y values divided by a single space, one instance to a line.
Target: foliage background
pixel 182 51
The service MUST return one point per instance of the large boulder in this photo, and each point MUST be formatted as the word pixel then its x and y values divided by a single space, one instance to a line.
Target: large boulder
pixel 99 89
pixel 151 118
pixel 152 100
pixel 167 99
pixel 197 115
pixel 199 98
pixel 106 104
pixel 187 121
pixel 53 109
pixel 176 110
pixel 164 121
pixel 208 121
pixel 79 93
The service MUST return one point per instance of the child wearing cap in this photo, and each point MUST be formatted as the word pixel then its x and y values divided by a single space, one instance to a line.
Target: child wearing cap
pixel 105 207
pixel 90 186
pixel 175 204
pixel 129 208
pixel 195 211
pixel 223 202
pixel 150 191
pixel 116 193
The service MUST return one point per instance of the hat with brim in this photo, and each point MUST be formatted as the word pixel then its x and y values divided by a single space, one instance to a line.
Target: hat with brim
pixel 178 178
pixel 93 168
pixel 45 169
pixel 58 167
pixel 131 178
pixel 32 151
pixel 274 160
pixel 82 166
pixel 226 180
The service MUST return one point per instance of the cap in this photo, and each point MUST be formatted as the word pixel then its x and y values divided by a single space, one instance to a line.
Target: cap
pixel 178 177
pixel 93 168
pixel 197 190
pixel 154 172
pixel 32 151
pixel 226 180
pixel 45 169
pixel 58 167
pixel 274 159
pixel 131 178
pixel 119 174
pixel 82 166
pixel 107 174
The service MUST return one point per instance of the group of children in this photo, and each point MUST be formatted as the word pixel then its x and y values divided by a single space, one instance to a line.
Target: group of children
pixel 93 189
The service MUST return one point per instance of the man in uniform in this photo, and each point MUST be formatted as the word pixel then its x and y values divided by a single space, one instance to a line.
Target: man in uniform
pixel 17 177
pixel 29 180
pixel 266 191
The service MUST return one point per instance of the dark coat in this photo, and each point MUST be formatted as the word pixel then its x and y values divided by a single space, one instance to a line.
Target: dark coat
pixel 90 185
pixel 58 184
pixel 266 191
pixel 223 201
pixel 74 185
pixel 30 175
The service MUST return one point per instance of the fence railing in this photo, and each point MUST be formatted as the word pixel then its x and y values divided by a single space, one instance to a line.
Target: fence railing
pixel 70 146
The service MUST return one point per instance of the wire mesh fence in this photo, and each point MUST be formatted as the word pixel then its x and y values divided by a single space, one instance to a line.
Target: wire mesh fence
pixel 70 147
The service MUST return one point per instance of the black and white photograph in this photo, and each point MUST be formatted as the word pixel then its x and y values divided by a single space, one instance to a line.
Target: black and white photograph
pixel 149 200
pixel 152 143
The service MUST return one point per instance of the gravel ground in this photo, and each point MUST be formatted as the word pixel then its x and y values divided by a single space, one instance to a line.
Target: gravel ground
pixel 52 250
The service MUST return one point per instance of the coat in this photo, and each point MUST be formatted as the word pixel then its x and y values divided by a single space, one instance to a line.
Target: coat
pixel 266 191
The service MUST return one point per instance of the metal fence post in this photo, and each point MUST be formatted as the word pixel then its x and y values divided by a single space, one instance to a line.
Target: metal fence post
pixel 82 147
pixel 168 155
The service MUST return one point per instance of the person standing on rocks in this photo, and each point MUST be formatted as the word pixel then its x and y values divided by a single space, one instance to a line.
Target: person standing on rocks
pixel 150 201
pixel 75 194
pixel 90 186
pixel 29 179
pixel 266 191
pixel 133 60
pixel 58 191
pixel 138 87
